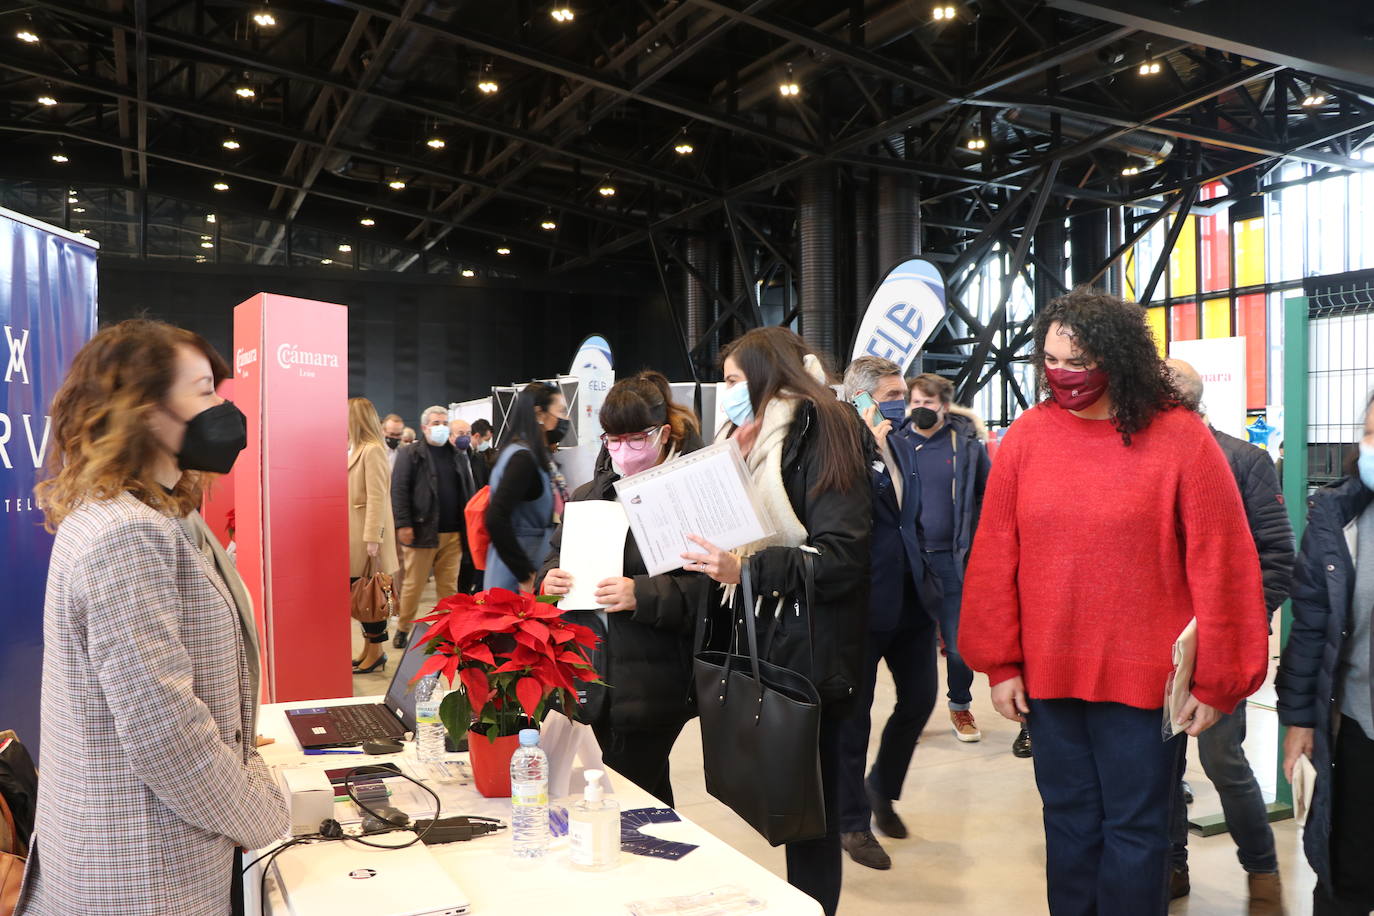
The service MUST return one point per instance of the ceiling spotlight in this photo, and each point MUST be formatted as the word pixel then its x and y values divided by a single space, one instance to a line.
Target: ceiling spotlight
pixel 1130 170
pixel 84 231
pixel 60 158
pixel 943 13
pixel 1315 98
pixel 206 238
pixel 26 37
pixel 326 261
pixel 367 221
pixel 210 217
pixel 396 184
pixel 78 209
pixel 246 92
pixel 469 272
pixel 220 186
pixel 435 143
pixel 1149 66
pixel 230 143
pixel 207 244
pixel 606 190
pixel 788 88
pixel 684 149
pixel 977 143
pixel 503 251
pixel 200 259
pixel 265 18
pixel 345 248
pixel 488 86
pixel 562 14
pixel 46 101
pixel 71 199
pixel 548 225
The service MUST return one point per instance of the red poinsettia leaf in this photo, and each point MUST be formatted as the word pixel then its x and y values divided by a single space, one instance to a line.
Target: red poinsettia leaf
pixel 431 665
pixel 530 692
pixel 510 666
pixel 481 652
pixel 476 685
pixel 572 658
pixel 450 668
pixel 535 628
pixel 561 635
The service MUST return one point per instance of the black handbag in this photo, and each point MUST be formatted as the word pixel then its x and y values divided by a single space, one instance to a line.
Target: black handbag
pixel 760 735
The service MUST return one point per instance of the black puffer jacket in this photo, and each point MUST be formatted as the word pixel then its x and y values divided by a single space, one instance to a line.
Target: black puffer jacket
pixel 1323 591
pixel 645 658
pixel 1266 513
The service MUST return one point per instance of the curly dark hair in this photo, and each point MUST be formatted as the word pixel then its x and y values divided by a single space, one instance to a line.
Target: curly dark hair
pixel 1114 334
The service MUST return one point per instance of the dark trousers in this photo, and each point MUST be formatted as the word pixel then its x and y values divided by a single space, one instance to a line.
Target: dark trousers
pixel 1222 753
pixel 958 675
pixel 1352 827
pixel 1107 780
pixel 640 755
pixel 815 867
pixel 910 653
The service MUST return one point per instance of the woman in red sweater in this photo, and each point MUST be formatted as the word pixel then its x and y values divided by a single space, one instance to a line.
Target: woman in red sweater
pixel 1110 520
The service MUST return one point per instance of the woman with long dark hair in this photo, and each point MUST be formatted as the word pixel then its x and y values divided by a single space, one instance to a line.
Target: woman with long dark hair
pixel 645 651
pixel 1110 520
pixel 804 450
pixel 527 489
pixel 1325 687
pixel 150 656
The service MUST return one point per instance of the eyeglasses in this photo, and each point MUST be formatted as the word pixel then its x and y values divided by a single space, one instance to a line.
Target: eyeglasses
pixel 635 442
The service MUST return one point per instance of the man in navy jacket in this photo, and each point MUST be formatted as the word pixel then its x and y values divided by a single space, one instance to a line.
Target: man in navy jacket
pixel 901 624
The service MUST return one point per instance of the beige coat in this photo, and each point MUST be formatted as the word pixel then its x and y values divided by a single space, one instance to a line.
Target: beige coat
pixel 369 510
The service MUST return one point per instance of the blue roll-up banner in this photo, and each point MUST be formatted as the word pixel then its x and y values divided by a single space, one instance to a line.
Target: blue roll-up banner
pixel 47 312
pixel 905 309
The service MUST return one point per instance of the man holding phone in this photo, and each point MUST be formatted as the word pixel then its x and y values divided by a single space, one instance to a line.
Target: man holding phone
pixel 901 622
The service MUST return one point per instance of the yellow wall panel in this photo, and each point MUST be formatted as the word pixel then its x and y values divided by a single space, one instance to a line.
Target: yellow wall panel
pixel 1183 261
pixel 1216 318
pixel 1157 319
pixel 1249 241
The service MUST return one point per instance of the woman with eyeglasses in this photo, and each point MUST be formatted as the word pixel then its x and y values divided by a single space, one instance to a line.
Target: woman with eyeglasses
pixel 646 624
pixel 527 488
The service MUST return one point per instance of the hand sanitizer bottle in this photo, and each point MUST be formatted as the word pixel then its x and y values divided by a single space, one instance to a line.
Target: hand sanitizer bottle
pixel 594 828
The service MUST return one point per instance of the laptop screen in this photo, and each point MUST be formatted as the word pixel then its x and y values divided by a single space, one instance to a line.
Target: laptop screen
pixel 400 696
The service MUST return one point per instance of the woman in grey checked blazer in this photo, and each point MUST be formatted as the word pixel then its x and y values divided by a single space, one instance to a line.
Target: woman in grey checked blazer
pixel 150 667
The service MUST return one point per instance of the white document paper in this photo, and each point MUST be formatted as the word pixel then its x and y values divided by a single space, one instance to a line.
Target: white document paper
pixel 1304 783
pixel 707 493
pixel 1180 684
pixel 593 549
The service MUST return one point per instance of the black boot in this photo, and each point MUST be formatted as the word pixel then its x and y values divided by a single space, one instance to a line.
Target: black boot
pixel 1021 747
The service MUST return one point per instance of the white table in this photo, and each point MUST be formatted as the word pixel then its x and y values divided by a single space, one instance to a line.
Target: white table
pixel 497 883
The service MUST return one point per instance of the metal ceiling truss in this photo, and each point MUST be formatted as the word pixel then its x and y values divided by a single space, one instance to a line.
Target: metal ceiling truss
pixel 345 103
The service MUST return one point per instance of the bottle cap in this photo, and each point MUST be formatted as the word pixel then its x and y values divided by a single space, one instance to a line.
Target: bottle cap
pixel 594 791
pixel 529 737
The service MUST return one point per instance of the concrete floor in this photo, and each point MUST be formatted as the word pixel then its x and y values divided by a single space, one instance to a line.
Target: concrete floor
pixel 977 846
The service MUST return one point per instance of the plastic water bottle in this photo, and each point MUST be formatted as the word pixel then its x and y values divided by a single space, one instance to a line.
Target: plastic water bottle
pixel 529 797
pixel 429 728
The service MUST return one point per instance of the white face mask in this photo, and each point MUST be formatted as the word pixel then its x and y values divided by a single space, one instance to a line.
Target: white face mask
pixel 438 435
pixel 485 444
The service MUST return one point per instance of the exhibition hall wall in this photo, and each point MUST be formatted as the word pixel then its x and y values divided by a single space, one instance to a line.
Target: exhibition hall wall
pixel 419 340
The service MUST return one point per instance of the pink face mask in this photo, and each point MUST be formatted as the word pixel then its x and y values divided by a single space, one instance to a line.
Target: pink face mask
pixel 629 460
pixel 1077 389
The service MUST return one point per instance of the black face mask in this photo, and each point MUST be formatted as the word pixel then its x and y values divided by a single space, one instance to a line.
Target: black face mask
pixel 559 432
pixel 393 442
pixel 214 438
pixel 924 418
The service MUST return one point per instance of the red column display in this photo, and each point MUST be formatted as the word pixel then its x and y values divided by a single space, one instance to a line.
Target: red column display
pixel 290 490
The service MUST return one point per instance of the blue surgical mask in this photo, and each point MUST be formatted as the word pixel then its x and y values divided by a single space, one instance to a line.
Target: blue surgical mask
pixel 462 442
pixel 893 410
pixel 485 444
pixel 438 435
pixel 736 404
pixel 1366 465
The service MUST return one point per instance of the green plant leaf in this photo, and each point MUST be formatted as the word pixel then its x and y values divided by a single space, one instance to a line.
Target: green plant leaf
pixel 456 713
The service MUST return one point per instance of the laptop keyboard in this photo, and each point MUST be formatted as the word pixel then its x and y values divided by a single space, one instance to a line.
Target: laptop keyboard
pixel 365 722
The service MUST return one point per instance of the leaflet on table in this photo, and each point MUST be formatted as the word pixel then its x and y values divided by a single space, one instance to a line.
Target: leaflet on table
pixel 708 493
pixel 593 549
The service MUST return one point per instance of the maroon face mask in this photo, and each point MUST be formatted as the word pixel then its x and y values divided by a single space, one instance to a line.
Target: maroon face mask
pixel 1076 389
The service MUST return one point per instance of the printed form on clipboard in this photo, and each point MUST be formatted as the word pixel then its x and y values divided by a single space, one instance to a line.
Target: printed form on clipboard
pixel 708 493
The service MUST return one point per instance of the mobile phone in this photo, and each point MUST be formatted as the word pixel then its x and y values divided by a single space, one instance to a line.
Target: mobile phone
pixel 862 401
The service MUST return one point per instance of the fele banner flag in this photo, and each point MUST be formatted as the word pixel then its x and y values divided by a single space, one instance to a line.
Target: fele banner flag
pixel 904 310
pixel 47 312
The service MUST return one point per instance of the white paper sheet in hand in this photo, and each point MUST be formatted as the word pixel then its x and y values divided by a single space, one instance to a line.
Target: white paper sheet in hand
pixel 1179 686
pixel 593 549
pixel 707 493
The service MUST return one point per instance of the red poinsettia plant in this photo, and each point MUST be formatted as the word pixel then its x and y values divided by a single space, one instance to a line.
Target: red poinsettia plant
pixel 514 655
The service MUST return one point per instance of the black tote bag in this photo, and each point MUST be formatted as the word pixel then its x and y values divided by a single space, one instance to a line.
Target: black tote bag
pixel 760 736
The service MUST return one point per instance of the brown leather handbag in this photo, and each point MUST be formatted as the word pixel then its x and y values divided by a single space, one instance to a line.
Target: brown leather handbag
pixel 372 596
pixel 11 865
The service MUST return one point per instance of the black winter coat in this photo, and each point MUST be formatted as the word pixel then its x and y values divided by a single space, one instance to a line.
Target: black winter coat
pixel 1265 512
pixel 645 658
pixel 1323 591
pixel 415 492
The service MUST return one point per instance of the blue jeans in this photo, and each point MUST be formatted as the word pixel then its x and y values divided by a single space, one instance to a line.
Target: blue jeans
pixel 958 674
pixel 1222 753
pixel 1107 781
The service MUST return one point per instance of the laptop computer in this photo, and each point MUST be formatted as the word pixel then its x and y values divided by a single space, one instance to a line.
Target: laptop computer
pixel 353 723
pixel 343 878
